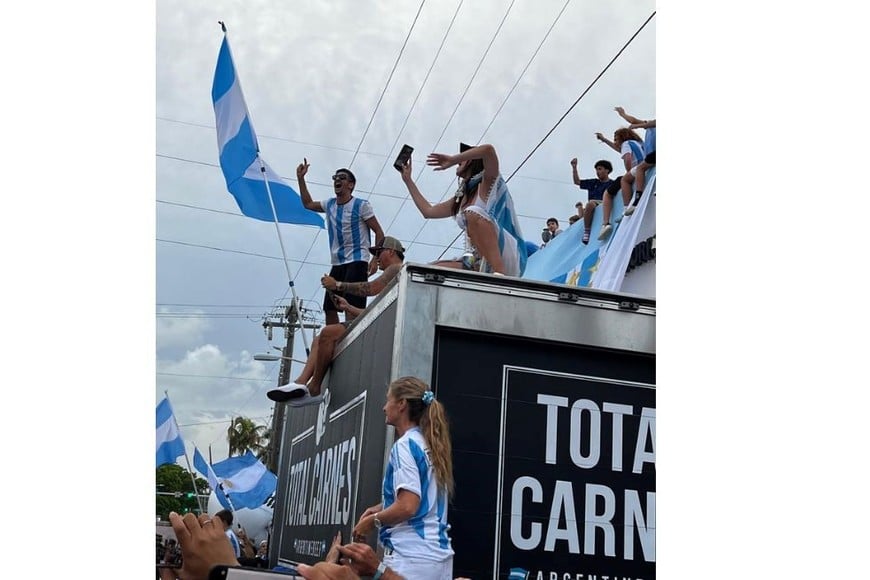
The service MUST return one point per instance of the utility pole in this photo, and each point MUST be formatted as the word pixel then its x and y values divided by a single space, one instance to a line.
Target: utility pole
pixel 289 321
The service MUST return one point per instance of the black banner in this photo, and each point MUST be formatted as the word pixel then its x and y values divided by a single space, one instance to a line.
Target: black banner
pixel 577 483
pixel 322 492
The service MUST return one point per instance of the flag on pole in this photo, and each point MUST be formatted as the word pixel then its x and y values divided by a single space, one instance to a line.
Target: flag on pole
pixel 239 154
pixel 204 468
pixel 169 442
pixel 245 480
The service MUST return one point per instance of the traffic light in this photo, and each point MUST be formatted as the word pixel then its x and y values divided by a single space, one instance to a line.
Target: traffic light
pixel 190 495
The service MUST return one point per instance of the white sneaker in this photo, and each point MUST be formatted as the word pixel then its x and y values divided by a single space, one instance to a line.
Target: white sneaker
pixel 287 392
pixel 605 231
pixel 630 210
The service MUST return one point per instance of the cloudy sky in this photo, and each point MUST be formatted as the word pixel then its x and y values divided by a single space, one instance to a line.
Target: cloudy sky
pixel 96 89
pixel 317 79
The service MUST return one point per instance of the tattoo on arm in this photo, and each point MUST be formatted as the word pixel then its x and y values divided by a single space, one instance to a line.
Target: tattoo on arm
pixel 356 288
pixel 375 286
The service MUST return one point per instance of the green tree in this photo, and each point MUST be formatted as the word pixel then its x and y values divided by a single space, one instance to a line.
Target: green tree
pixel 244 434
pixel 172 478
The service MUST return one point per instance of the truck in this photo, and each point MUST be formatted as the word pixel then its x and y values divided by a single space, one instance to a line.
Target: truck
pixel 550 394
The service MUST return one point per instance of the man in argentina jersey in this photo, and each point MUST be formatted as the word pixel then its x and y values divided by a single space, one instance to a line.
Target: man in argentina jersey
pixel 423 536
pixel 349 223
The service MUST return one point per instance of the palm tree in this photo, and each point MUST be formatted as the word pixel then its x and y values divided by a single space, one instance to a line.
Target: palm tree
pixel 243 434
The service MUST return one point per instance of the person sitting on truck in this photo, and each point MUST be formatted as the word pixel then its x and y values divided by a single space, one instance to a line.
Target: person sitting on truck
pixel 630 148
pixel 412 518
pixel 306 389
pixel 482 207
pixel 638 176
pixel 595 188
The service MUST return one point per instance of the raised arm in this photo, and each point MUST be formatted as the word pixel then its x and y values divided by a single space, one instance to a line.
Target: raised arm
pixel 309 203
pixel 651 124
pixel 626 116
pixel 606 141
pixel 486 152
pixel 442 210
pixel 574 171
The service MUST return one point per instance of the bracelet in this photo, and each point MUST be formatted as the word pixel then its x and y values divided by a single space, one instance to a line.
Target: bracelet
pixel 380 571
pixel 338 285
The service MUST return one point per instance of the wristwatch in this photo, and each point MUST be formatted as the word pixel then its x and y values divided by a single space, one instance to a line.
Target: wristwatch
pixel 380 571
pixel 378 523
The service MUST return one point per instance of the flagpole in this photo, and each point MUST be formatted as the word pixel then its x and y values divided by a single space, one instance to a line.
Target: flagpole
pixel 283 253
pixel 275 217
pixel 187 459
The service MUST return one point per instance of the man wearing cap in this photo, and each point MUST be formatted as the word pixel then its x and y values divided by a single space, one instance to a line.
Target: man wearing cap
pixel 306 389
pixel 349 223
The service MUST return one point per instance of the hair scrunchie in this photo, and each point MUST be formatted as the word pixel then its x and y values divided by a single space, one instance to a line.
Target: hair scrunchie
pixel 428 397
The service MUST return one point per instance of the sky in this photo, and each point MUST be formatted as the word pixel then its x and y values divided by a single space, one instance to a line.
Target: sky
pixel 325 82
pixel 759 301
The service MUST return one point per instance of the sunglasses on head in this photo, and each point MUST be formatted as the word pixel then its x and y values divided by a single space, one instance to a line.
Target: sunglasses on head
pixel 340 177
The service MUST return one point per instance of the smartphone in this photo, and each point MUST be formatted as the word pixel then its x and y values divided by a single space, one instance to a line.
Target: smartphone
pixel 403 157
pixel 332 296
pixel 222 572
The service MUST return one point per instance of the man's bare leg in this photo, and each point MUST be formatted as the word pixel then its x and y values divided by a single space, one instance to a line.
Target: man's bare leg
pixel 329 337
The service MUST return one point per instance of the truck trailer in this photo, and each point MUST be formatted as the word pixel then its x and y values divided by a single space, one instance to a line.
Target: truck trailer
pixel 550 394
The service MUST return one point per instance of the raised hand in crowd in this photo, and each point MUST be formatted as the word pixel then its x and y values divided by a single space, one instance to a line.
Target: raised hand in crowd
pixel 203 545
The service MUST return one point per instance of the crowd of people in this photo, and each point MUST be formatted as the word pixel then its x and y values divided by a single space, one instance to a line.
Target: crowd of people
pixel 637 156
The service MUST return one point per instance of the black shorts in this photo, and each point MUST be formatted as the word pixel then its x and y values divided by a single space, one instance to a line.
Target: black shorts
pixel 352 272
pixel 651 158
pixel 614 187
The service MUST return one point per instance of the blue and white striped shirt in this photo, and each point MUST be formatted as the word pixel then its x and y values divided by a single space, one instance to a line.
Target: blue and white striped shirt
pixel 349 235
pixel 424 535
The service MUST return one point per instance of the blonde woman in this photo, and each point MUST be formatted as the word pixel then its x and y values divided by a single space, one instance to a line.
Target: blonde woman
pixel 412 519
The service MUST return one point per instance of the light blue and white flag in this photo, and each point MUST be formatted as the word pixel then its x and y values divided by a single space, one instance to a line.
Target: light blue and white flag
pixel 169 443
pixel 202 466
pixel 245 480
pixel 641 225
pixel 239 154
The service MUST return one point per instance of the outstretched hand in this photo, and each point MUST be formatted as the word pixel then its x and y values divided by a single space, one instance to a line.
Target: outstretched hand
pixel 619 110
pixel 302 168
pixel 203 545
pixel 440 161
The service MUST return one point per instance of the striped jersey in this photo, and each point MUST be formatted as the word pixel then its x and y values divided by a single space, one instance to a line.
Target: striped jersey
pixel 349 235
pixel 424 535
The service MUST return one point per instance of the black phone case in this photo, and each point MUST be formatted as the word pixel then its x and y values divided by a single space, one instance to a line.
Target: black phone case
pixel 403 157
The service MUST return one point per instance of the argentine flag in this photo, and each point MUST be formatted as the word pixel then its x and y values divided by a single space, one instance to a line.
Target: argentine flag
pixel 239 154
pixel 204 468
pixel 245 480
pixel 169 442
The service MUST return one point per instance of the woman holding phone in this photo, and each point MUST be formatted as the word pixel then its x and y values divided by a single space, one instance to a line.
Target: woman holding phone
pixel 412 519
pixel 482 206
